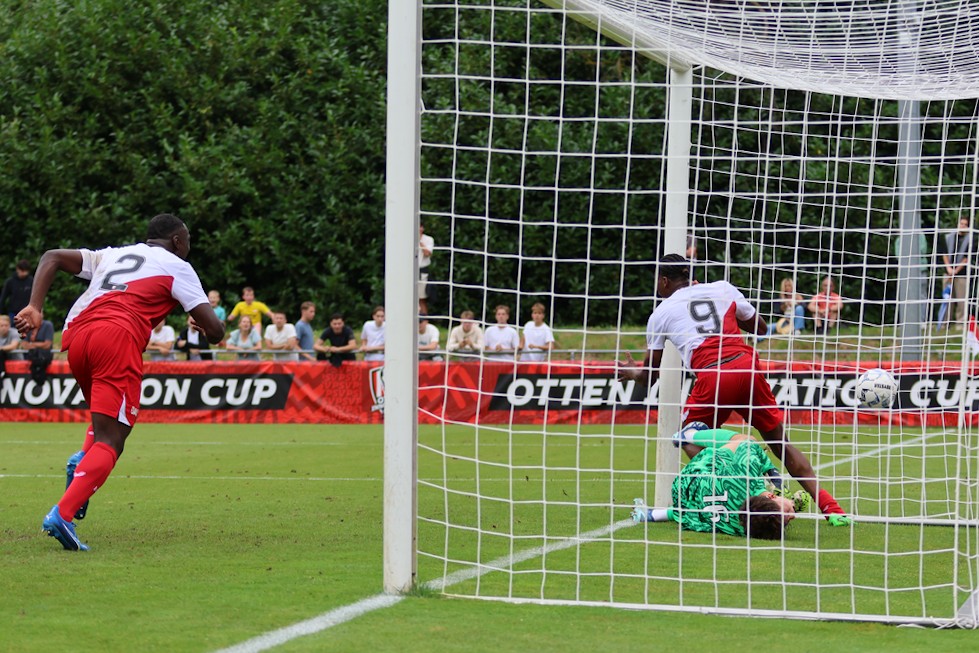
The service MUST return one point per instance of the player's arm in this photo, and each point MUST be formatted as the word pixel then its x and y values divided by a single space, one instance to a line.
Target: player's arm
pixel 28 320
pixel 647 373
pixel 350 346
pixel 755 324
pixel 205 320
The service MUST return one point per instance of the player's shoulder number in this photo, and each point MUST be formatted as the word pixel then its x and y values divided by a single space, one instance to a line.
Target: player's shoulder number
pixel 125 264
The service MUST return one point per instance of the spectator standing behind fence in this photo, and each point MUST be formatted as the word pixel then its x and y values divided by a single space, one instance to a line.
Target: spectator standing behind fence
pixel 162 339
pixel 825 307
pixel 537 340
pixel 426 245
pixel 957 257
pixel 280 336
pixel 39 350
pixel 304 331
pixel 214 299
pixel 16 292
pixel 467 338
pixel 9 344
pixel 245 340
pixel 428 340
pixel 337 343
pixel 251 308
pixel 372 336
pixel 501 341
pixel 192 342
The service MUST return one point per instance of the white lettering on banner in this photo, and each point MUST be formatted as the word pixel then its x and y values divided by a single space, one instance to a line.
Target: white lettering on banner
pixel 523 386
pixel 916 393
pixel 264 389
pixel 151 392
pixel 823 392
pixel 944 399
pixel 206 396
pixel 188 392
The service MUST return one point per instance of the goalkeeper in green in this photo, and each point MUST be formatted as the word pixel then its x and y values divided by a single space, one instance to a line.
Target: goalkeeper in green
pixel 724 487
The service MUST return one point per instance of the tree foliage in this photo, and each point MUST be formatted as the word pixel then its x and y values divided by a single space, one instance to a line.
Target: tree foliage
pixel 260 124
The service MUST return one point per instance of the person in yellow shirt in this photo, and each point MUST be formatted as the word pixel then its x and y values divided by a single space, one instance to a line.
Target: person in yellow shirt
pixel 249 307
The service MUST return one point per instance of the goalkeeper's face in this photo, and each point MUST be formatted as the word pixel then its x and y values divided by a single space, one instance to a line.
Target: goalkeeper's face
pixel 785 505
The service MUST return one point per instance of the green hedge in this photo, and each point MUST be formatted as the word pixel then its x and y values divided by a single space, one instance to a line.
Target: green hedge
pixel 260 124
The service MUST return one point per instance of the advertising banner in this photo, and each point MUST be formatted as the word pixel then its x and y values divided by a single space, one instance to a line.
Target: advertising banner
pixel 470 391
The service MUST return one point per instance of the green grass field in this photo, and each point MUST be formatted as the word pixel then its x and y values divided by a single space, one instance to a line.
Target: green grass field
pixel 207 535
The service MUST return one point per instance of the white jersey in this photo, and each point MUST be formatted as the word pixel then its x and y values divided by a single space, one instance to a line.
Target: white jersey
pixel 134 287
pixel 702 322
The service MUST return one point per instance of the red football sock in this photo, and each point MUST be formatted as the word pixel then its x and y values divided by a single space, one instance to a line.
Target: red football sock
pixel 828 505
pixel 90 474
pixel 89 438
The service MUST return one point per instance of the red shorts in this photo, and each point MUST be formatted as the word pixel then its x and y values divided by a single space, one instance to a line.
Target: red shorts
pixel 108 366
pixel 737 386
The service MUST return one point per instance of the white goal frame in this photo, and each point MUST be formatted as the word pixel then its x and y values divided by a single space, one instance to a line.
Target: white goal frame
pixel 401 294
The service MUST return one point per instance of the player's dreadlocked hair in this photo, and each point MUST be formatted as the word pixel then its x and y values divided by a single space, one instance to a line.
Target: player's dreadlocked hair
pixel 163 226
pixel 674 266
pixel 761 517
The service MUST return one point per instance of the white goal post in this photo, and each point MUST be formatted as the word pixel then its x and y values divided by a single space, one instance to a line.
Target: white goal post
pixel 555 150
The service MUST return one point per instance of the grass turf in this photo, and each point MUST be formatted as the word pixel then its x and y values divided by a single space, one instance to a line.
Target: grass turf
pixel 207 535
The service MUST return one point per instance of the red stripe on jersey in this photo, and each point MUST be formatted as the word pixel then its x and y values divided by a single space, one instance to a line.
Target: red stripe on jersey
pixel 137 309
pixel 716 348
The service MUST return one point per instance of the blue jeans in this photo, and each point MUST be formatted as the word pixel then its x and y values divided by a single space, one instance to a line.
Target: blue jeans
pixel 799 321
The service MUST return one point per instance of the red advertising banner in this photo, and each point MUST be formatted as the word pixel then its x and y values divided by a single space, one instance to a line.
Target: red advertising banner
pixel 470 392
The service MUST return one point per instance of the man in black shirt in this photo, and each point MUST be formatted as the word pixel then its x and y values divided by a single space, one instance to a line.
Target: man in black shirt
pixel 16 293
pixel 337 343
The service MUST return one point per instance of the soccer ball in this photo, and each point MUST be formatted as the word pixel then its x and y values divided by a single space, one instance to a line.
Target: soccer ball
pixel 876 388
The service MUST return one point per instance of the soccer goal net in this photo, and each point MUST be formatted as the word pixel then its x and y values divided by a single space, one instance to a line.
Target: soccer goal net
pixel 823 157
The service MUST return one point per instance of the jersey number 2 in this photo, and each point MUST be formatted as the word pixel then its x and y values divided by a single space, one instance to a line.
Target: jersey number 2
pixel 703 312
pixel 137 263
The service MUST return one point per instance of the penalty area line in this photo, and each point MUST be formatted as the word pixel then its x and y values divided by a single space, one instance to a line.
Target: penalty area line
pixel 350 612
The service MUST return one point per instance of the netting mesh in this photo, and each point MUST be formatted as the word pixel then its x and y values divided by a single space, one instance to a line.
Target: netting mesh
pixel 890 49
pixel 544 157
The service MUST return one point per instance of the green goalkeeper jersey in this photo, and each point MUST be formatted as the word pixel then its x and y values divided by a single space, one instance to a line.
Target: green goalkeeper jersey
pixel 715 484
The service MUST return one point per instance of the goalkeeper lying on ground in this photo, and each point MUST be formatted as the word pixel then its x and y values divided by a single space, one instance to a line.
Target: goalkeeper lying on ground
pixel 723 488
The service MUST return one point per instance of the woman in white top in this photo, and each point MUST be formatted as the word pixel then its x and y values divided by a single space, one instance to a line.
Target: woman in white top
pixel 372 336
pixel 537 339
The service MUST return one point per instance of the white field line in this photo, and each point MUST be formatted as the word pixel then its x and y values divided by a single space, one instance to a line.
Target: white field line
pixel 347 613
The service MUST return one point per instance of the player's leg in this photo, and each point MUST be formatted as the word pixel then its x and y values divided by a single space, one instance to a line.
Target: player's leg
pixel 72 463
pixel 703 404
pixel 108 365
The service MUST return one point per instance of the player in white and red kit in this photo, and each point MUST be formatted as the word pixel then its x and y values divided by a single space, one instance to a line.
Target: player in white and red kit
pixel 704 321
pixel 131 288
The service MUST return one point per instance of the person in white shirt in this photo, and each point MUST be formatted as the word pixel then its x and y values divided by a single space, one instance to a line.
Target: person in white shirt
pixel 537 339
pixel 160 346
pixel 500 341
pixel 281 337
pixel 428 340
pixel 372 336
pixel 426 245
pixel 467 338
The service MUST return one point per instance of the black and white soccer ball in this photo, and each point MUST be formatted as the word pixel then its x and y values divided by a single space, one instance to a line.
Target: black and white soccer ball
pixel 876 388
